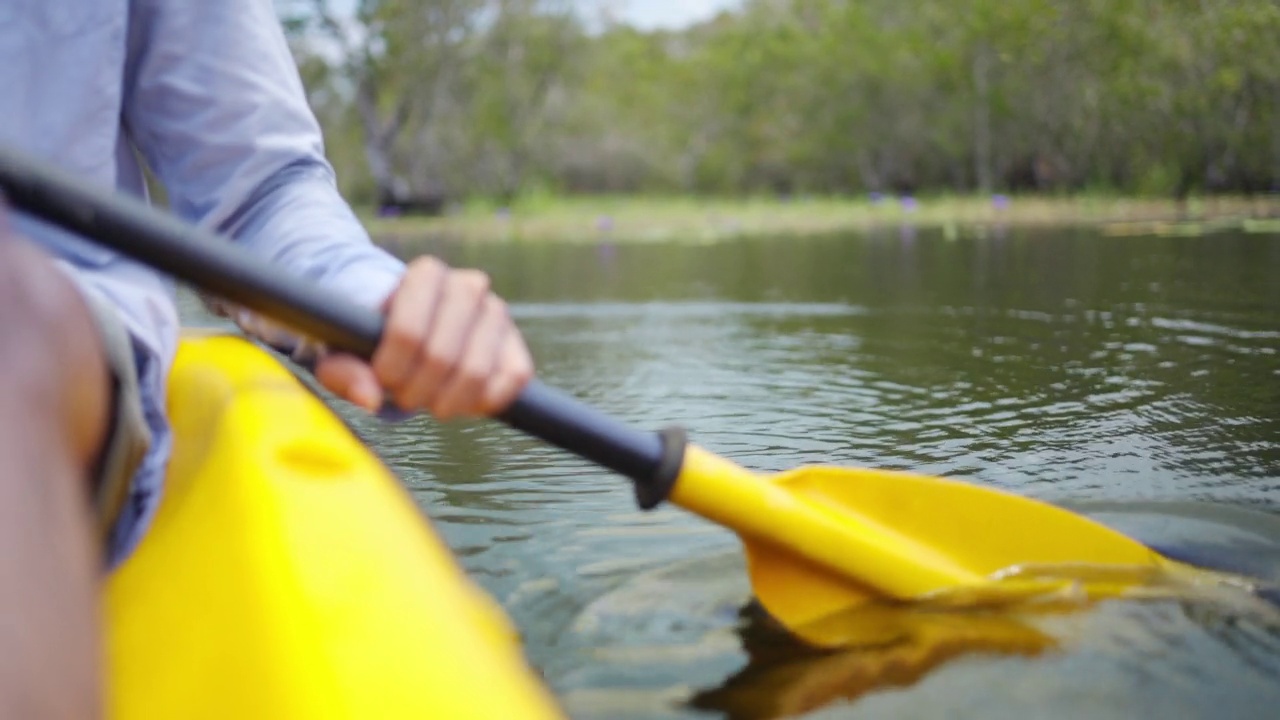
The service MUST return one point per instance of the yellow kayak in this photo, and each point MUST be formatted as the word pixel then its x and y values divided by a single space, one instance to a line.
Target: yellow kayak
pixel 289 575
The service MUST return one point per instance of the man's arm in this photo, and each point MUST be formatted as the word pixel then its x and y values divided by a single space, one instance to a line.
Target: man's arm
pixel 216 106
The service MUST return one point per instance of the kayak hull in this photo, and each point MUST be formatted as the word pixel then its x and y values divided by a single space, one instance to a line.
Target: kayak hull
pixel 287 574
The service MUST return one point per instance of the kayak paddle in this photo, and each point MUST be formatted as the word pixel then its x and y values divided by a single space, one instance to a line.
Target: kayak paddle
pixel 818 540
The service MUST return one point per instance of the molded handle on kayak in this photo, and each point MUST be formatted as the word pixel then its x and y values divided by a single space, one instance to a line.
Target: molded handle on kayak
pixel 219 267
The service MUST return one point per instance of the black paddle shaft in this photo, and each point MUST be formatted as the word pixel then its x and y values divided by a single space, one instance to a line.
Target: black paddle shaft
pixel 217 266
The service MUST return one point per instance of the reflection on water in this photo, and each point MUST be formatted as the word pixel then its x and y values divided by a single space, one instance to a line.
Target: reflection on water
pixel 1135 379
pixel 1126 658
pixel 784 678
pixel 1155 660
pixel 896 644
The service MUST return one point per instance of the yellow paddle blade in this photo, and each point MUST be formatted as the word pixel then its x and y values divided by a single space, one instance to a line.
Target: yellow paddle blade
pixel 820 540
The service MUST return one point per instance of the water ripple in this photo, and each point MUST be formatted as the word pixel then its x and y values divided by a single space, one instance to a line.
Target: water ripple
pixel 1135 376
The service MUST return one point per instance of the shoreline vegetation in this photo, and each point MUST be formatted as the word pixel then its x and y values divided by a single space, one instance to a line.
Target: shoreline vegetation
pixel 676 219
pixel 428 103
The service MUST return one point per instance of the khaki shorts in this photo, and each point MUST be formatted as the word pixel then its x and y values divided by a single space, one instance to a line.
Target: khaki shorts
pixel 128 436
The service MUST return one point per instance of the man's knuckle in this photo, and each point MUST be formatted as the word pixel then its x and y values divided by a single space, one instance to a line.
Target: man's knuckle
pixel 438 361
pixel 403 336
pixel 474 281
pixel 427 266
pixel 523 370
pixel 473 372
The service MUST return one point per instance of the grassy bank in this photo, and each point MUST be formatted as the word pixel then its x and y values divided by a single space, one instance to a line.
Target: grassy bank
pixel 635 219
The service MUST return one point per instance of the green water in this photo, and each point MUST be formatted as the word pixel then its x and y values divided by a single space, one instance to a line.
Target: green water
pixel 1134 379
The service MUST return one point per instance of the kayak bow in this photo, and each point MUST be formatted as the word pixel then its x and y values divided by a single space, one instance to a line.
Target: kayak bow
pixel 287 573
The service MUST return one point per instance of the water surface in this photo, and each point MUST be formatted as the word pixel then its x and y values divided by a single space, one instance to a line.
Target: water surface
pixel 1134 379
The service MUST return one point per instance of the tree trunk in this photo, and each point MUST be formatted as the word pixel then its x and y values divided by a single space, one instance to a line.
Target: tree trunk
pixel 379 138
pixel 982 162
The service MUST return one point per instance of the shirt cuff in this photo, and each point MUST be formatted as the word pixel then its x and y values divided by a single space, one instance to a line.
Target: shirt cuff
pixel 368 281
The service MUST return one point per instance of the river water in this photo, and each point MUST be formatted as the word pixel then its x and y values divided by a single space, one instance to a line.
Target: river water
pixel 1133 379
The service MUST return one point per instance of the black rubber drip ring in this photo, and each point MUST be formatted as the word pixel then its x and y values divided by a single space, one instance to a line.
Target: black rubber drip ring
pixel 651 494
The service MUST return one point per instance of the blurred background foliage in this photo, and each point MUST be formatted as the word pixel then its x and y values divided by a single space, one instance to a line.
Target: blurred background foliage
pixel 499 99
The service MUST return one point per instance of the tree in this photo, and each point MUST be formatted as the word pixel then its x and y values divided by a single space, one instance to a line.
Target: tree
pixel 500 97
pixel 394 59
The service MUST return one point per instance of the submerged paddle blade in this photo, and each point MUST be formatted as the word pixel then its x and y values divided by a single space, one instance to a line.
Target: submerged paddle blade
pixel 800 594
pixel 820 540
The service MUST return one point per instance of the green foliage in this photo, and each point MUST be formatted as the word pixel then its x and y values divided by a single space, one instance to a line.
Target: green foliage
pixel 518 99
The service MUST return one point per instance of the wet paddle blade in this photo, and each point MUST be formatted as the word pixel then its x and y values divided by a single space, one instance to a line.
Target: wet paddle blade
pixel 933 521
pixel 820 540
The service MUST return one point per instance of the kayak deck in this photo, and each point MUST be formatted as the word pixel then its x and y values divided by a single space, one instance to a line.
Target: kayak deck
pixel 288 574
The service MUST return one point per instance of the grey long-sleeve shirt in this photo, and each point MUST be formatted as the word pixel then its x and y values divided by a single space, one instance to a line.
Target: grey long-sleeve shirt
pixel 207 92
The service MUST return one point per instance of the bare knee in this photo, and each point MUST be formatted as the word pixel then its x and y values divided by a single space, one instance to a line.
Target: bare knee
pixel 51 359
pixel 43 318
pixel 53 402
pixel 32 290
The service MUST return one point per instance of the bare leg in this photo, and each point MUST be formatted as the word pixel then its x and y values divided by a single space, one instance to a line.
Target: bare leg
pixel 53 416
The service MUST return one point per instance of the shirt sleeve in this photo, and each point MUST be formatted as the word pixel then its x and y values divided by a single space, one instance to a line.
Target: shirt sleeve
pixel 214 102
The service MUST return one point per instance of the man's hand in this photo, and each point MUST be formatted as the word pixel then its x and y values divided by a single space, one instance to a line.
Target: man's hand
pixel 449 348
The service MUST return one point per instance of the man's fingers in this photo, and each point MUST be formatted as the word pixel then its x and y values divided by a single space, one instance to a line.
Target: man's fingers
pixel 459 307
pixel 351 379
pixel 449 346
pixel 514 370
pixel 409 319
pixel 462 392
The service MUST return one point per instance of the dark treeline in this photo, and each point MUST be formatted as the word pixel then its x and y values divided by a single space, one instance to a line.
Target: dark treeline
pixel 425 99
